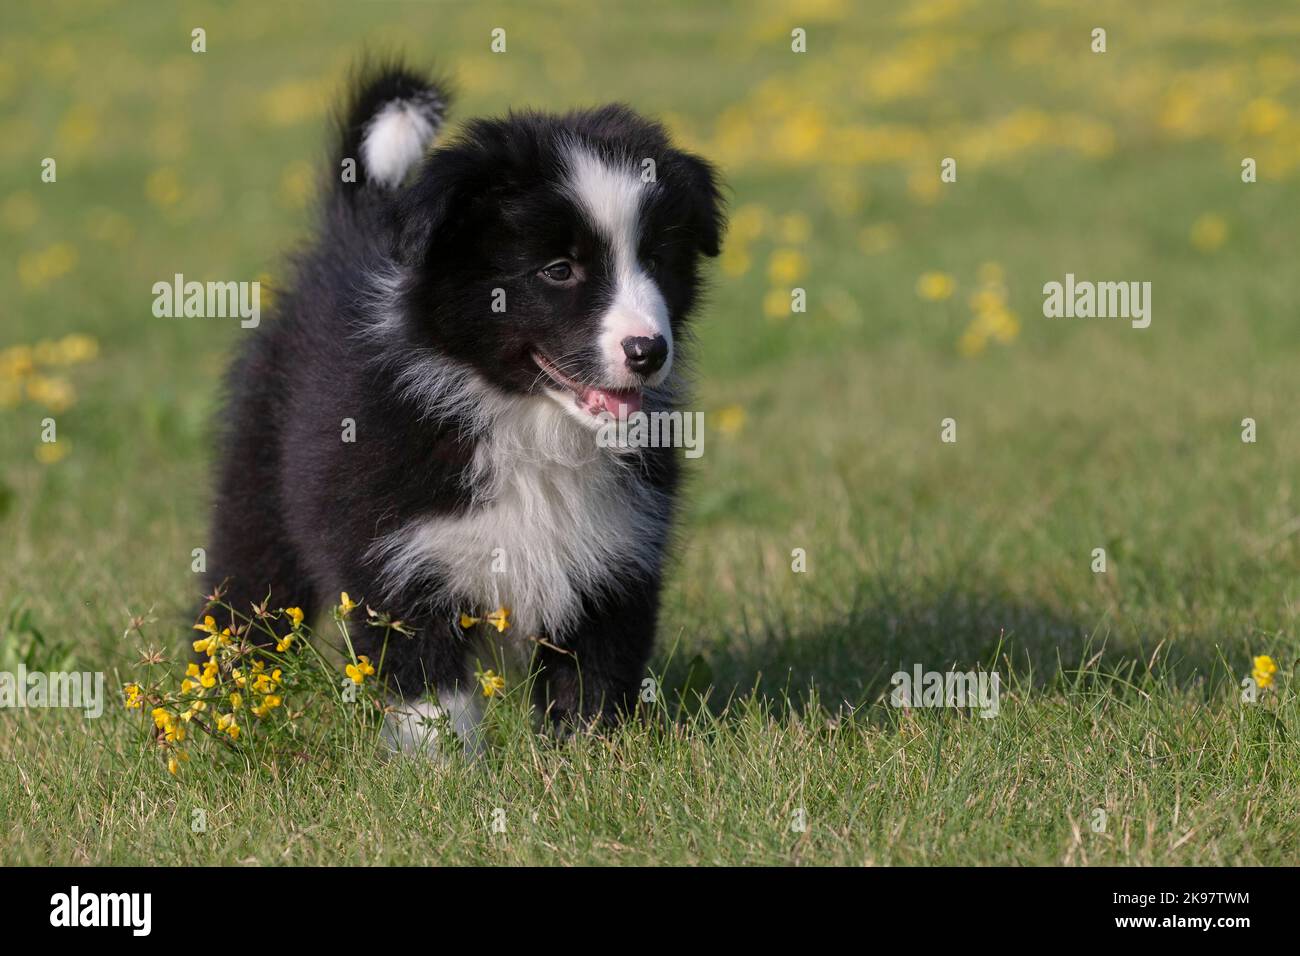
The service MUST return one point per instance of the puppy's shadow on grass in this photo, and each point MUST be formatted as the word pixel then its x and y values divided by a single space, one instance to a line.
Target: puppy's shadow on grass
pixel 851 659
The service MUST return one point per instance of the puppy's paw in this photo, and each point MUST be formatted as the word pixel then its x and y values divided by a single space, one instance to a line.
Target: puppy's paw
pixel 434 726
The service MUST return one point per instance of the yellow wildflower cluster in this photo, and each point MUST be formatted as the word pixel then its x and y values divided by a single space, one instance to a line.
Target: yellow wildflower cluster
pixel 25 371
pixel 993 320
pixel 134 696
pixel 787 260
pixel 359 671
pixel 215 686
pixel 500 619
pixel 491 682
pixel 1263 671
pixel 40 267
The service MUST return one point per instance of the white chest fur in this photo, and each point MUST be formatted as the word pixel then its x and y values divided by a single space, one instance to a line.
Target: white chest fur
pixel 554 517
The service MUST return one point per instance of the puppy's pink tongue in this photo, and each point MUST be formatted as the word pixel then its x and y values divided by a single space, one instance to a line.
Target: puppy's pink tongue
pixel 597 400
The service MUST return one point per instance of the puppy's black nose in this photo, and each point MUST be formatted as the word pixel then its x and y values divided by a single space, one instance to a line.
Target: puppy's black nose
pixel 645 356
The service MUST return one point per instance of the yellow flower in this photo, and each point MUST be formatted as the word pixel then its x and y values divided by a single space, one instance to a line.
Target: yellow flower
pixel 346 604
pixel 52 452
pixel 786 266
pixel 160 717
pixel 282 645
pixel 134 699
pixel 492 683
pixel 500 619
pixel 1264 671
pixel 360 670
pixel 730 420
pixel 197 707
pixel 295 615
pixel 935 286
pixel 1209 232
pixel 236 700
pixel 777 304
pixel 192 670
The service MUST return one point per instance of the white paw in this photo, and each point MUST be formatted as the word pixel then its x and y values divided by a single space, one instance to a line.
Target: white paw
pixel 435 728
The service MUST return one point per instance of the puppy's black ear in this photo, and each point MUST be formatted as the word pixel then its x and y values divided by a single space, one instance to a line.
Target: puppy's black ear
pixel 432 208
pixel 708 218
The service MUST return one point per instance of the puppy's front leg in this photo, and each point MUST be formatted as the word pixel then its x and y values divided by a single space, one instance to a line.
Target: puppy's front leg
pixel 596 672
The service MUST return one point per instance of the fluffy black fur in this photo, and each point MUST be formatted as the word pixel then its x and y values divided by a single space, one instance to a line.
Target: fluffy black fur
pixel 394 289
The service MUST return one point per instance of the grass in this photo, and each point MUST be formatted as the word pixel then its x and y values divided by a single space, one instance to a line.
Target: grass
pixel 1120 689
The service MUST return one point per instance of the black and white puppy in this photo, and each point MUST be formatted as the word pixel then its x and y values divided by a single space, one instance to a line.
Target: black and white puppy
pixel 416 423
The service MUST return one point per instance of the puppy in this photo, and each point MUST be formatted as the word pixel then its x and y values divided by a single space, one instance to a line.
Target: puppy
pixel 416 423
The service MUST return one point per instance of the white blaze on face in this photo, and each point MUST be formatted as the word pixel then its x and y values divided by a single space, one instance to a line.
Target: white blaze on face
pixel 610 197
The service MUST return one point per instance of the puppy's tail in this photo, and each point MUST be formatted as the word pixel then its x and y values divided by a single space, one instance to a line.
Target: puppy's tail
pixel 392 116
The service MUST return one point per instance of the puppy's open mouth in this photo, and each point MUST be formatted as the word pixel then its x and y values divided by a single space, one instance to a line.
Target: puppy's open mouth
pixel 590 398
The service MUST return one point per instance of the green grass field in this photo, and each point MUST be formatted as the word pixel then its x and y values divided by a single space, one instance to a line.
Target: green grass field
pixel 1120 690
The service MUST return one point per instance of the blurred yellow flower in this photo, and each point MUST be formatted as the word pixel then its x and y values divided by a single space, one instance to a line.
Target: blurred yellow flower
pixel 1264 116
pixel 776 304
pixel 1209 232
pixel 56 394
pixel 935 286
pixel 730 419
pixel 79 127
pixel 293 102
pixel 296 184
pixel 50 453
pixel 735 260
pixel 787 266
pixel 163 187
pixel 37 269
pixel 346 604
pixel 923 185
pixel 1264 670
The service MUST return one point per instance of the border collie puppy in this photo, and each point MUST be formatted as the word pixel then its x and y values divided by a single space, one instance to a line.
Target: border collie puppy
pixel 416 423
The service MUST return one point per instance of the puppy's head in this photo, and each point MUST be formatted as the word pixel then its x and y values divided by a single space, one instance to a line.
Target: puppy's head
pixel 558 256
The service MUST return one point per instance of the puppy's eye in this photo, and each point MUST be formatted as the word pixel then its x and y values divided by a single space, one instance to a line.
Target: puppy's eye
pixel 652 263
pixel 559 272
